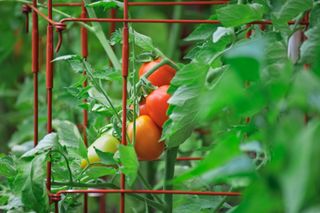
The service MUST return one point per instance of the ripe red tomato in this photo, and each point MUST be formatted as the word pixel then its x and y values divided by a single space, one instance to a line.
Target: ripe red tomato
pixel 161 76
pixel 147 144
pixel 157 104
pixel 143 110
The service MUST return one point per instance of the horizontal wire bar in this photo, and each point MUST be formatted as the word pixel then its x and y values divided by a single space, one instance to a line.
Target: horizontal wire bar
pixel 177 3
pixel 43 15
pixel 144 191
pixel 60 25
pixel 75 4
pixel 180 159
pixel 161 21
pixel 70 4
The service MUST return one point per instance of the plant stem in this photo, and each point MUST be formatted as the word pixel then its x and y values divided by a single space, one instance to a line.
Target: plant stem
pixel 147 185
pixel 171 156
pixel 175 32
pixel 67 162
pixel 99 88
pixel 102 38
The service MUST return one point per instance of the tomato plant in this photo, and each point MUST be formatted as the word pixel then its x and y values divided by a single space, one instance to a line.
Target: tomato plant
pixel 241 97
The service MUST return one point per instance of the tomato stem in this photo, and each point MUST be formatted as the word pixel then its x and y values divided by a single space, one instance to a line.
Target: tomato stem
pixel 171 156
pixel 146 184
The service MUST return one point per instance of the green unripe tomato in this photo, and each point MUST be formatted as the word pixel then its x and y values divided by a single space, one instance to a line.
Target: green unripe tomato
pixel 105 143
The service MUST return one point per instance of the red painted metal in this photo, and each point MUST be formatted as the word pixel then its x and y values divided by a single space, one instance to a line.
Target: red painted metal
pixel 132 4
pixel 113 14
pixel 49 83
pixel 186 3
pixel 181 21
pixel 70 4
pixel 35 69
pixel 144 191
pixel 125 67
pixel 26 10
pixel 188 158
pixel 84 47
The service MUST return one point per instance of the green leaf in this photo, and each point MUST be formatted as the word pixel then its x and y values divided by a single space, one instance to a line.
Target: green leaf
pixel 222 32
pixel 234 15
pixel 237 172
pixel 185 88
pixel 300 171
pixel 143 41
pixel 195 203
pixel 202 32
pixel 95 172
pixel 310 49
pixel 49 142
pixel 304 95
pixel 7 167
pixel 314 18
pixel 226 150
pixel 33 192
pixel 130 163
pixel 107 74
pixel 246 59
pixel 292 8
pixel 106 4
pixel 70 137
pixel 105 157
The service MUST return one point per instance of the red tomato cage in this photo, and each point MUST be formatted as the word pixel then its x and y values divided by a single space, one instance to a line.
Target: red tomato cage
pixel 59 26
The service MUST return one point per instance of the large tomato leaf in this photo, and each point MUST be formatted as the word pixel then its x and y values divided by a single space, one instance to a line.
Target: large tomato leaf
pixel 49 142
pixel 292 8
pixel 227 149
pixel 234 15
pixel 183 110
pixel 310 49
pixel 33 191
pixel 70 137
pixel 129 163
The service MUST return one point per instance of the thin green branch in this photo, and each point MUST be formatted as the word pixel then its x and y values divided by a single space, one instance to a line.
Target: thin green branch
pixel 67 162
pixel 146 184
pixel 102 37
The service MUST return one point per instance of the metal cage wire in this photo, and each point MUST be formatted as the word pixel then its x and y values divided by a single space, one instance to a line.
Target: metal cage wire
pixel 60 26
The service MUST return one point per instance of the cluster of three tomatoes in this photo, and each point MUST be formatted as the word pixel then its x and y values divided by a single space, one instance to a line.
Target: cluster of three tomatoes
pixel 152 112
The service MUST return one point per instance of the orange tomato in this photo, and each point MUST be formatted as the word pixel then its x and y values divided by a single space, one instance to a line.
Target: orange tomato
pixel 147 144
pixel 162 76
pixel 157 104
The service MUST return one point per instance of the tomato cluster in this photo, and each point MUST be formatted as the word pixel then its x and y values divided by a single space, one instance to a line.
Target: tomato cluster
pixel 152 112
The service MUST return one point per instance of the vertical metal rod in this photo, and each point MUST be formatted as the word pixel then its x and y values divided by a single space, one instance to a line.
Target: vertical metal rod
pixel 113 14
pixel 56 206
pixel 49 84
pixel 125 63
pixel 306 66
pixel 84 47
pixel 35 70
